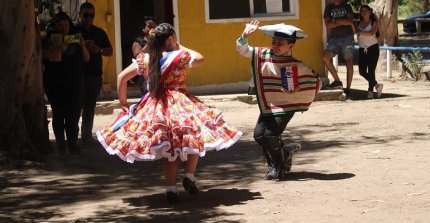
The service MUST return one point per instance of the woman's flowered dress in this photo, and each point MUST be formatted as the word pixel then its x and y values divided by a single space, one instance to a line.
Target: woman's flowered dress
pixel 171 125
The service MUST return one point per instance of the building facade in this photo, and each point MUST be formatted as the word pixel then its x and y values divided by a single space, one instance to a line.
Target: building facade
pixel 211 27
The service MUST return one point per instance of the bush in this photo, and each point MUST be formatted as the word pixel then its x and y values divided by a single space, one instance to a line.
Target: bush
pixel 412 7
pixel 412 61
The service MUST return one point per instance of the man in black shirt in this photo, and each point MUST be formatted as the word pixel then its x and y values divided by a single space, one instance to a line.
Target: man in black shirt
pixel 338 19
pixel 98 44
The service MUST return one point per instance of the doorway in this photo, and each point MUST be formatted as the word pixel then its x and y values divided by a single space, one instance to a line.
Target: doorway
pixel 132 13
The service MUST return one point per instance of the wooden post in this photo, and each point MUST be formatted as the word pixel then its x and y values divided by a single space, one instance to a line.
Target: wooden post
pixel 418 25
pixel 389 69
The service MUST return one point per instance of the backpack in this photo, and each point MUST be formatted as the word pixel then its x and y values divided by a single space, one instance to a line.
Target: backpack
pixel 377 31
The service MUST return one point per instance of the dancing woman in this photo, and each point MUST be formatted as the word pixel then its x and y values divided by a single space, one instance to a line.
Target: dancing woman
pixel 168 122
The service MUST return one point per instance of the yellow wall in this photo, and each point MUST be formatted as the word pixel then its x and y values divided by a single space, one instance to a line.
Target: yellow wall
pixel 217 42
pixel 104 7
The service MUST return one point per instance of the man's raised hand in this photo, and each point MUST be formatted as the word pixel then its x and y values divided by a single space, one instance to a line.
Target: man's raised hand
pixel 250 28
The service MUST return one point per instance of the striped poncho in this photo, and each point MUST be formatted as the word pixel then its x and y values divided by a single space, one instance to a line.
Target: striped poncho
pixel 283 84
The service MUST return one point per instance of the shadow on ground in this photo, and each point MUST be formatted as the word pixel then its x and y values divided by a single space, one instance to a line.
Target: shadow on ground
pixel 304 176
pixel 41 194
pixel 360 95
pixel 190 208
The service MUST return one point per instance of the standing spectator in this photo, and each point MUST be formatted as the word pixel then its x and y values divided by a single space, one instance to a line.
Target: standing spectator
pixel 369 49
pixel 98 44
pixel 149 23
pixel 64 53
pixel 338 19
pixel 140 42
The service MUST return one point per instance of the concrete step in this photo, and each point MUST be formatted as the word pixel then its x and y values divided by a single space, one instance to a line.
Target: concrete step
pixel 113 106
pixel 323 95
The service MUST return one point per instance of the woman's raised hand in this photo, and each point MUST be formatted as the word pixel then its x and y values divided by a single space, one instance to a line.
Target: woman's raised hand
pixel 124 107
pixel 250 28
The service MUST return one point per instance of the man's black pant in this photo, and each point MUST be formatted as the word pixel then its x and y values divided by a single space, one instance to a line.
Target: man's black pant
pixel 270 127
pixel 91 90
pixel 267 133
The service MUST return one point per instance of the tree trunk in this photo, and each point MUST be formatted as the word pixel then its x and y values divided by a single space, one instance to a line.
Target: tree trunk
pixel 24 129
pixel 386 11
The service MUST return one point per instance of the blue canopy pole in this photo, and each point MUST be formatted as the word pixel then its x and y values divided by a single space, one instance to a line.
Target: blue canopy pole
pixel 401 48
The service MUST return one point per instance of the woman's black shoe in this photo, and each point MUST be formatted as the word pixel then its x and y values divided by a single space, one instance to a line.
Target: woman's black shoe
pixel 172 197
pixel 190 186
pixel 61 148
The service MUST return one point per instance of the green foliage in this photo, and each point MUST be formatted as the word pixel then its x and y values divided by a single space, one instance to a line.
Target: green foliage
pixel 406 7
pixel 413 62
pixel 411 7
pixel 46 10
pixel 355 4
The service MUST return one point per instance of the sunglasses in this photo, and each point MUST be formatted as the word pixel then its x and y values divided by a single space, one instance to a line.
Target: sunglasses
pixel 88 15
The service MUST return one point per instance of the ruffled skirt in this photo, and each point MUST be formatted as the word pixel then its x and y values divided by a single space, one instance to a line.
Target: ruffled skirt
pixel 174 125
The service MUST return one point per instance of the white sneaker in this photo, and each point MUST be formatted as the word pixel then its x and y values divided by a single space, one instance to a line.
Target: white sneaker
pixel 379 90
pixel 370 95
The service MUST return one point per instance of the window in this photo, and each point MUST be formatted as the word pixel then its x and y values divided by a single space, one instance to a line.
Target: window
pixel 218 11
pixel 271 7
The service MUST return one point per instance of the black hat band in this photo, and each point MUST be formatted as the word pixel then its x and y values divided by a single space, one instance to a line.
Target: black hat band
pixel 286 36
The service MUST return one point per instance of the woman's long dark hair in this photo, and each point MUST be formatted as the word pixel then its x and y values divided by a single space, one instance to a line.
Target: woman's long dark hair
pixel 63 16
pixel 50 28
pixel 155 47
pixel 372 15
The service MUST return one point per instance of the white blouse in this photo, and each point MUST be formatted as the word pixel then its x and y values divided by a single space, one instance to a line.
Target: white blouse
pixel 364 41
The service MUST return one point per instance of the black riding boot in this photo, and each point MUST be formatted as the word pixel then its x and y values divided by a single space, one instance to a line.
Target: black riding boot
pixel 276 152
pixel 288 160
pixel 278 169
pixel 288 154
pixel 269 161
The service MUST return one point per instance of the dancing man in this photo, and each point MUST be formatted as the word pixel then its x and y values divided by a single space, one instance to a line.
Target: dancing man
pixel 283 86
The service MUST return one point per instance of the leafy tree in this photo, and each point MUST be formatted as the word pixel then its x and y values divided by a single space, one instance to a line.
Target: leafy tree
pixel 411 7
pixel 355 4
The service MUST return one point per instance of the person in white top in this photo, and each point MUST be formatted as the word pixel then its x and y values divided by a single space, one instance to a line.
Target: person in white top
pixel 367 29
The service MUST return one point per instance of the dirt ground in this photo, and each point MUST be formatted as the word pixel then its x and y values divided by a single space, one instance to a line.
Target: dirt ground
pixel 362 161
